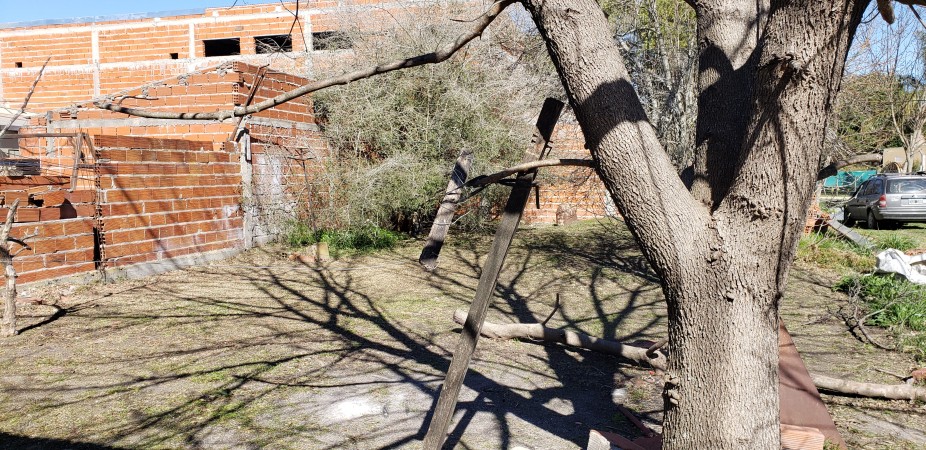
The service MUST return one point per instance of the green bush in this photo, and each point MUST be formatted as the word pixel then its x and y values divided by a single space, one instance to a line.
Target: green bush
pixel 394 139
pixel 899 303
pixel 358 240
pixel 826 250
pixel 897 241
pixel 895 304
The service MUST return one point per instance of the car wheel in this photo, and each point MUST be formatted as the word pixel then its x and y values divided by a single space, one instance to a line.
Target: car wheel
pixel 872 223
pixel 847 218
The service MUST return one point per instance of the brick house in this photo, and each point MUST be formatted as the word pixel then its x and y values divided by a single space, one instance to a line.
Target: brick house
pixel 114 193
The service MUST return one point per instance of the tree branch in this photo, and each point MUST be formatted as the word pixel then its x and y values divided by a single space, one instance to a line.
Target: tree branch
pixel 484 180
pixel 630 159
pixel 26 100
pixel 435 57
pixel 871 390
pixel 831 169
pixel 651 358
pixel 539 332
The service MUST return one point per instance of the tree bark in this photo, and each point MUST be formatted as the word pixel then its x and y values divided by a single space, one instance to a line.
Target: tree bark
pixel 728 32
pixel 723 262
pixel 8 327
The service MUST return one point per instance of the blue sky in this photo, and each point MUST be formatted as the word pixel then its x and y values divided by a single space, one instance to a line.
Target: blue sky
pixel 24 10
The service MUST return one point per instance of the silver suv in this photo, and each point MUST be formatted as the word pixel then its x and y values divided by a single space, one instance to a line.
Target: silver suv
pixel 888 200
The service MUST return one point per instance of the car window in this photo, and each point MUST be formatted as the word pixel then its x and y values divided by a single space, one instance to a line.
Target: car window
pixel 908 186
pixel 861 188
pixel 875 187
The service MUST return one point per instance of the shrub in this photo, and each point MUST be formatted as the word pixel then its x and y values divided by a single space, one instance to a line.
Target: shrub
pixel 825 250
pixel 893 303
pixel 898 302
pixel 394 139
pixel 896 241
pixel 357 240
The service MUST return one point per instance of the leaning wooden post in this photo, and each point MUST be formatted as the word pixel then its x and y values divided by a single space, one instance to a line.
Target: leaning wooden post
pixel 517 200
pixel 448 206
pixel 6 258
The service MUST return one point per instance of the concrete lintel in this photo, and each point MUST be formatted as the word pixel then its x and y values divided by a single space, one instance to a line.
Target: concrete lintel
pixel 133 122
pixel 280 123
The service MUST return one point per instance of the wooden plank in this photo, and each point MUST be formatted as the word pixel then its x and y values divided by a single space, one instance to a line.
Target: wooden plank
pixel 448 207
pixel 851 235
pixel 801 438
pixel 514 208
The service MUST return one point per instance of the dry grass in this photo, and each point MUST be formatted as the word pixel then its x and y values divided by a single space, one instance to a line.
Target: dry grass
pixel 258 352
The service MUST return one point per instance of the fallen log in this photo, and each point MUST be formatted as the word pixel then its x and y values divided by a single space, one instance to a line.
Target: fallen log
pixel 870 390
pixel 640 356
pixel 539 332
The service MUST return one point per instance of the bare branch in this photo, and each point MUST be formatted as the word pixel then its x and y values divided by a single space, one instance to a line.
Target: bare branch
pixel 22 109
pixel 831 169
pixel 870 390
pixel 539 332
pixel 917 15
pixel 8 225
pixel 484 180
pixel 435 57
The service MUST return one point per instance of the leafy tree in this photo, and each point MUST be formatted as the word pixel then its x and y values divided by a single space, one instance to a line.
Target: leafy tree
pixel 767 79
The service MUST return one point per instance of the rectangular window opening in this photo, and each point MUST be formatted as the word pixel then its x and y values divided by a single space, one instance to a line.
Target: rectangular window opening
pixel 19 64
pixel 331 40
pixel 222 47
pixel 273 44
pixel 174 56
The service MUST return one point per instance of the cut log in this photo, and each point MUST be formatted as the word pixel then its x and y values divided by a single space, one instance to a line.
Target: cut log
pixel 638 356
pixel 538 332
pixel 870 390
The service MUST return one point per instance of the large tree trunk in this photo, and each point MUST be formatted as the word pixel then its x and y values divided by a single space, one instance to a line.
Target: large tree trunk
pixel 723 254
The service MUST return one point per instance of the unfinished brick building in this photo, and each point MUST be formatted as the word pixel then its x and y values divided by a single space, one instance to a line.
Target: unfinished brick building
pixel 106 192
pixel 89 58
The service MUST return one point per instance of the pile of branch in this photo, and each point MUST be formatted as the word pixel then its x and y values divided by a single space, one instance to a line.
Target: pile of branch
pixel 653 358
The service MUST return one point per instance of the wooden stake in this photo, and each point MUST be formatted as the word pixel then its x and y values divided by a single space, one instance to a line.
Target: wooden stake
pixel 6 258
pixel 448 207
pixel 514 208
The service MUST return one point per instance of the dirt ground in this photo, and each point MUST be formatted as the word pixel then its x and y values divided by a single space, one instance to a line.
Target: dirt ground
pixel 262 352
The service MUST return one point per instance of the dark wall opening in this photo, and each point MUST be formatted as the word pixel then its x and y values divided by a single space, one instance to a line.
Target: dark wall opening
pixel 273 44
pixel 331 40
pixel 222 47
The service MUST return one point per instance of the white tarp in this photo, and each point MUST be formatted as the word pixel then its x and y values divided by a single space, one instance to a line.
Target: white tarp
pixel 895 261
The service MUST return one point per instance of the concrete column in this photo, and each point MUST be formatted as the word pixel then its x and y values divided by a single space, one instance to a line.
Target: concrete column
pixel 3 101
pixel 307 41
pixel 192 48
pixel 95 59
pixel 247 191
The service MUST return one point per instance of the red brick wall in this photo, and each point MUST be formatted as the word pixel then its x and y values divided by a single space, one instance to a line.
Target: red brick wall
pixel 568 186
pixel 129 53
pixel 60 222
pixel 62 248
pixel 164 198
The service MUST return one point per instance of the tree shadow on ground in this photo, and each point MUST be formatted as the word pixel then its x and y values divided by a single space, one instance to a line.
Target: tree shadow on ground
pixel 14 442
pixel 264 352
